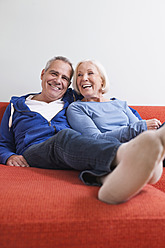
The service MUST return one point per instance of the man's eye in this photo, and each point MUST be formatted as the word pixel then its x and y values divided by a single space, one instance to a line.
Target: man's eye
pixel 54 74
pixel 66 79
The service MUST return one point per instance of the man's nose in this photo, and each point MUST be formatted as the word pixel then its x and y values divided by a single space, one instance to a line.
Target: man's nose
pixel 58 79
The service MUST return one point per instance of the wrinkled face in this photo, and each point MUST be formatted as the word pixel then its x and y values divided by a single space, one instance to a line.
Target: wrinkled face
pixel 55 81
pixel 89 81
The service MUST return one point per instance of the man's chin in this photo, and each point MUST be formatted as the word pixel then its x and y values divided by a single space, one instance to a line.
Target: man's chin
pixel 57 96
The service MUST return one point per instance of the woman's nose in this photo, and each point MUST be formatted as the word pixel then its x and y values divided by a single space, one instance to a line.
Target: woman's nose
pixel 85 77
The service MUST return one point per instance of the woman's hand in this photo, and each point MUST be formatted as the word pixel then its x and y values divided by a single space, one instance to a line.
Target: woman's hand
pixel 153 124
pixel 17 160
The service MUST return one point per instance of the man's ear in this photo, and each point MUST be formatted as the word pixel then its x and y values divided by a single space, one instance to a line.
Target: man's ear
pixel 42 73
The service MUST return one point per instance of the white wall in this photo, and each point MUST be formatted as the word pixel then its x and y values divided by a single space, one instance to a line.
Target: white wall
pixel 126 36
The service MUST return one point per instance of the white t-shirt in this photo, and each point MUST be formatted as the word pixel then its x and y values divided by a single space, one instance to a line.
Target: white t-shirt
pixel 47 110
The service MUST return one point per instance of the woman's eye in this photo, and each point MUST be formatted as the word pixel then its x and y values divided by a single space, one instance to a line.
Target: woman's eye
pixel 90 73
pixel 79 75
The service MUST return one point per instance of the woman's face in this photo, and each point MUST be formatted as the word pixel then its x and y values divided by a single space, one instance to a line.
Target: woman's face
pixel 89 81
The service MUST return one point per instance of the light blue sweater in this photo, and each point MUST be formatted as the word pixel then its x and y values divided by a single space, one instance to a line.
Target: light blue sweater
pixel 105 119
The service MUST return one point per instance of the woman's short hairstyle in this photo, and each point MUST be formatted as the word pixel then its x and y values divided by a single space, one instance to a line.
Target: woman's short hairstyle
pixel 62 59
pixel 101 71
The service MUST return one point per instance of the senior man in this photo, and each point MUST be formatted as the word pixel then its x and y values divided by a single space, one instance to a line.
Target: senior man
pixel 34 118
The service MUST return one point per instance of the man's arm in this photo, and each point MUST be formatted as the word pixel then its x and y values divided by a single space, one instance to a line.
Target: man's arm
pixel 135 113
pixel 17 160
pixel 7 144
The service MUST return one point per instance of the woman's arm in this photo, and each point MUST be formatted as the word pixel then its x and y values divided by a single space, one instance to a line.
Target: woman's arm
pixel 81 122
pixel 152 124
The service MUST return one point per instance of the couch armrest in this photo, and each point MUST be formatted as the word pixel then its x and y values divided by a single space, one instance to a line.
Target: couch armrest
pixel 3 106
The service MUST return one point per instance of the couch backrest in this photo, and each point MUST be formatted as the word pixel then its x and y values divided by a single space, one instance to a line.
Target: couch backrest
pixel 150 112
pixel 146 112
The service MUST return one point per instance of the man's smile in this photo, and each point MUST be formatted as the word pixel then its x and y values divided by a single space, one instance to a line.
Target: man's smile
pixel 54 86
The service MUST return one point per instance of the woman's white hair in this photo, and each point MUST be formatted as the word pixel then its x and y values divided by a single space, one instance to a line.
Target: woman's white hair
pixel 101 71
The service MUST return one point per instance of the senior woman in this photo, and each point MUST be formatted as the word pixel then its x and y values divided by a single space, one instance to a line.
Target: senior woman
pixel 97 116
pixel 138 161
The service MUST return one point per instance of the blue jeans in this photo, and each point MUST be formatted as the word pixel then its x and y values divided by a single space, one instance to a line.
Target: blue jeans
pixel 68 150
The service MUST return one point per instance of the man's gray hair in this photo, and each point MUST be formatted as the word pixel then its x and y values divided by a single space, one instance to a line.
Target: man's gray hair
pixel 62 59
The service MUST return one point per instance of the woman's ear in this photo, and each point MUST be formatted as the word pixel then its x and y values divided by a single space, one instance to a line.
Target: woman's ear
pixel 102 83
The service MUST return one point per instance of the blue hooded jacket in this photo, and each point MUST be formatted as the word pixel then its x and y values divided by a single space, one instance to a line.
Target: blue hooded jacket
pixel 21 127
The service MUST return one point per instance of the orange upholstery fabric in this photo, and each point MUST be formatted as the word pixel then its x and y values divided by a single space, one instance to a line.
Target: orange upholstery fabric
pixel 3 106
pixel 150 112
pixel 54 209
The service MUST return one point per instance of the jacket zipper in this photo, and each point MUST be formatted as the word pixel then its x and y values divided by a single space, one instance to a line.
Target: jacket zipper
pixel 50 125
pixel 49 122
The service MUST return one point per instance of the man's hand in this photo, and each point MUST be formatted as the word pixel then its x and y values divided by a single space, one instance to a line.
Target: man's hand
pixel 17 160
pixel 153 124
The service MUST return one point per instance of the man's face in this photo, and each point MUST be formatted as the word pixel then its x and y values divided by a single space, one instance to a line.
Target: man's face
pixel 55 81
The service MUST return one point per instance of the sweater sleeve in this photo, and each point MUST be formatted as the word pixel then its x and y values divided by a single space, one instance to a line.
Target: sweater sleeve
pixel 7 145
pixel 81 122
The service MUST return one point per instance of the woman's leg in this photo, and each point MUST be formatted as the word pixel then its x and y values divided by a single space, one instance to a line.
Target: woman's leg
pixel 138 162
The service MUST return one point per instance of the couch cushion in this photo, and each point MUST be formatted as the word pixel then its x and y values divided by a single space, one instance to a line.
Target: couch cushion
pixel 161 183
pixel 48 208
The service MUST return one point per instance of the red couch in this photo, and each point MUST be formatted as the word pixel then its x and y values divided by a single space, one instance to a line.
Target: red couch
pixel 54 209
